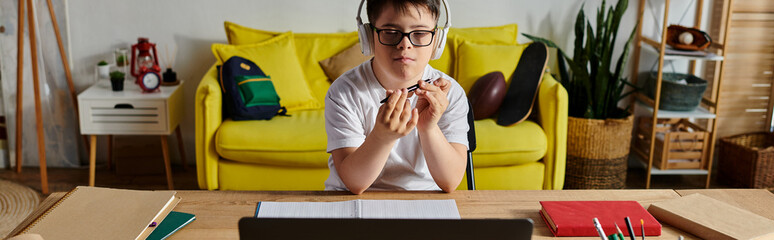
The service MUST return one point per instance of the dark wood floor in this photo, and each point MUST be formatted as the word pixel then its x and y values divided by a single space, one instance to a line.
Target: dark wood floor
pixel 65 179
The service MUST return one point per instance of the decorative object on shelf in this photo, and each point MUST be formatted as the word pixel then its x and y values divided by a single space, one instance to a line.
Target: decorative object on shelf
pixel 103 70
pixel 169 76
pixel 121 56
pixel 598 131
pixel 145 65
pixel 684 38
pixel 117 80
pixel 149 79
pixel 747 160
pixel 144 55
pixel 679 91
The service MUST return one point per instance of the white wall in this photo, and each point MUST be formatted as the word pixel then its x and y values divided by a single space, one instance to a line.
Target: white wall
pixel 190 26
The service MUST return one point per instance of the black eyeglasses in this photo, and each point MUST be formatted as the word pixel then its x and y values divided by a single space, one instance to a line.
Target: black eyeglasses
pixel 419 38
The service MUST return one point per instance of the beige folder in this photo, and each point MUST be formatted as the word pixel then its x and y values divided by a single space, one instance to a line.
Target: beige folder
pixel 103 213
pixel 709 218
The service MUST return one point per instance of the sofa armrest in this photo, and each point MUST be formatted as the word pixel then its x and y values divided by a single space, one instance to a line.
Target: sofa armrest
pixel 209 116
pixel 552 107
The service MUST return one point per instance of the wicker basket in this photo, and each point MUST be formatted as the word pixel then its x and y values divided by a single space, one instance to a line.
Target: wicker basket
pixel 676 96
pixel 747 160
pixel 597 153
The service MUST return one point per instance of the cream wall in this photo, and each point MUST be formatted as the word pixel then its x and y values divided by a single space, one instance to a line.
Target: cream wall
pixel 190 26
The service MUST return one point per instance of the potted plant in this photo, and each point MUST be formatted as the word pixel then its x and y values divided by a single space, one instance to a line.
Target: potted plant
pixel 103 69
pixel 599 132
pixel 117 80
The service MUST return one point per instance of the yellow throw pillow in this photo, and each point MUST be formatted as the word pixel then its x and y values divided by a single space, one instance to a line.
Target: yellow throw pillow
pixel 239 35
pixel 311 48
pixel 343 62
pixel 476 60
pixel 505 34
pixel 277 58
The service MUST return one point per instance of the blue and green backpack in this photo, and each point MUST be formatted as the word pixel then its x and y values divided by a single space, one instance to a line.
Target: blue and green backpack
pixel 248 93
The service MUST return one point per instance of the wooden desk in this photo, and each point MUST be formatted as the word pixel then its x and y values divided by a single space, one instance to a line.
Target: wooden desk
pixel 217 212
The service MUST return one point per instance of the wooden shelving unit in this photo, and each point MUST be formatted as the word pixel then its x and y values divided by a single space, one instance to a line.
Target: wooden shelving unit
pixel 705 113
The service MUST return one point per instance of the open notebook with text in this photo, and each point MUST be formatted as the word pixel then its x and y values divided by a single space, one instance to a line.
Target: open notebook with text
pixel 387 209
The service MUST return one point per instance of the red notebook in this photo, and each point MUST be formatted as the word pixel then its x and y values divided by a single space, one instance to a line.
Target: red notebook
pixel 575 218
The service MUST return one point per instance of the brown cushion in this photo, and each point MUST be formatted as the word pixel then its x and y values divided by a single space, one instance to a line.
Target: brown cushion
pixel 343 62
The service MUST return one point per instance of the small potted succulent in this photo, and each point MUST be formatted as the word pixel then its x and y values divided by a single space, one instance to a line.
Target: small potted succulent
pixel 103 69
pixel 117 80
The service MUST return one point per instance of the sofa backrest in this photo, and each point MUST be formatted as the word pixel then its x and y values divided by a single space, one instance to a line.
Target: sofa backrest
pixel 311 48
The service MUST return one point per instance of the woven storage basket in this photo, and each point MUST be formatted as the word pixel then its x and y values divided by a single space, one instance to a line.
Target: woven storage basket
pixel 747 160
pixel 597 153
pixel 676 96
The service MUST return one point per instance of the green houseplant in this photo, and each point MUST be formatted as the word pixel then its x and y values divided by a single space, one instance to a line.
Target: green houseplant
pixel 103 69
pixel 117 80
pixel 599 131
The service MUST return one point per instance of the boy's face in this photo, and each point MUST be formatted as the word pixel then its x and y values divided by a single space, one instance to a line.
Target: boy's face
pixel 404 61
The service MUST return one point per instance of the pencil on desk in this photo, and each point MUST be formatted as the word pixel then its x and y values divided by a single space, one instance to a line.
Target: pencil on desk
pixel 642 226
pixel 619 234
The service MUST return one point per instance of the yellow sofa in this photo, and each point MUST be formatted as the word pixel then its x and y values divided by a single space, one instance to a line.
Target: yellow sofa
pixel 288 153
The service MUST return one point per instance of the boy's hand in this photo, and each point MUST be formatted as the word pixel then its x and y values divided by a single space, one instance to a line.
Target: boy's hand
pixel 395 118
pixel 432 102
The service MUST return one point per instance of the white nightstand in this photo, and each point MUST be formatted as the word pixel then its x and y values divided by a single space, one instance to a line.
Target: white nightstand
pixel 131 112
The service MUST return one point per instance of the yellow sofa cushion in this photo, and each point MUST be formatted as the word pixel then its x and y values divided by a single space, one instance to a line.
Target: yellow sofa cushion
pixel 247 176
pixel 505 34
pixel 277 58
pixel 527 176
pixel 502 146
pixel 311 48
pixel 476 60
pixel 298 140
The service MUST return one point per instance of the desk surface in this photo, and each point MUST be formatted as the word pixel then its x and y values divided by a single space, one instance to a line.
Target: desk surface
pixel 217 212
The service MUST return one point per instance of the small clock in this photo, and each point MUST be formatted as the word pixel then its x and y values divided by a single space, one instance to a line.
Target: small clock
pixel 150 81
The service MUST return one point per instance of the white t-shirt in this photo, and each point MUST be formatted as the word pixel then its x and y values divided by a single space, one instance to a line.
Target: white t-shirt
pixel 351 106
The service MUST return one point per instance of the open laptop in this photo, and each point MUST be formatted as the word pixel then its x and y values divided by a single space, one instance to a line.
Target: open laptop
pixel 304 228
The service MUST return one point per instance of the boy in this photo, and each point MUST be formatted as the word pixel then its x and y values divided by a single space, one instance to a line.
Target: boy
pixel 414 141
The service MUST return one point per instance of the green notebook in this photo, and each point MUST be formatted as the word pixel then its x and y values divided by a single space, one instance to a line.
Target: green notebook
pixel 173 222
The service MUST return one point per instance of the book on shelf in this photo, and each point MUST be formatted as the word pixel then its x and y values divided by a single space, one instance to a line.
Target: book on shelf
pixel 100 213
pixel 710 218
pixel 382 209
pixel 575 218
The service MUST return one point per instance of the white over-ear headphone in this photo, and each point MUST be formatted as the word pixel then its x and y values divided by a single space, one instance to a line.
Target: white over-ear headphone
pixel 367 34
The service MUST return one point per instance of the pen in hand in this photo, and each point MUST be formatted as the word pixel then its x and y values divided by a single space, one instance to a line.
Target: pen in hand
pixel 410 89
